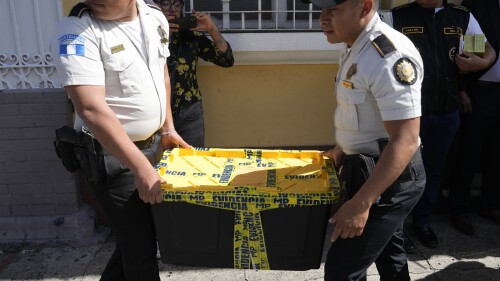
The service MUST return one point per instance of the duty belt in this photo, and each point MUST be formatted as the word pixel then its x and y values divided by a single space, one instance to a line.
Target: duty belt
pixel 143 144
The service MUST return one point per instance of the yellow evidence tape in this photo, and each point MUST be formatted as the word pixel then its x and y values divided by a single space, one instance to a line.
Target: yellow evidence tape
pixel 248 201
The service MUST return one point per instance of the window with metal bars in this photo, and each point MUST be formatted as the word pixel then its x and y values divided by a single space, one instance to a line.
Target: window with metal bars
pixel 258 15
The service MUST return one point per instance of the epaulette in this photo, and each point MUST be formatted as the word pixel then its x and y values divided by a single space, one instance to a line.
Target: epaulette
pixel 79 9
pixel 383 45
pixel 402 6
pixel 152 6
pixel 458 7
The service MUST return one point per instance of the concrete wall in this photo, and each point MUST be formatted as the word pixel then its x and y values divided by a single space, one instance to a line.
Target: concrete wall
pixel 39 199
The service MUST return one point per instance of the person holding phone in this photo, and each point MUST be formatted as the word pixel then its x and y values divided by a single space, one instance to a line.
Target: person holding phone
pixel 187 45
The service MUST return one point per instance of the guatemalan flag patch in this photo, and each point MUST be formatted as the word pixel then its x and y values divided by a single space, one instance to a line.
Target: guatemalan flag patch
pixel 71 44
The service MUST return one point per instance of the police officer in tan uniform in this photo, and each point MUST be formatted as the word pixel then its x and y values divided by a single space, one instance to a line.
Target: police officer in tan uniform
pixel 376 124
pixel 110 56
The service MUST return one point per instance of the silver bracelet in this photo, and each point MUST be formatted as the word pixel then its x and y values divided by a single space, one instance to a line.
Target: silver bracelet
pixel 167 133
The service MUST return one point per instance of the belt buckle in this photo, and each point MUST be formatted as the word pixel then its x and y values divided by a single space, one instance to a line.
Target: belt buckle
pixel 147 143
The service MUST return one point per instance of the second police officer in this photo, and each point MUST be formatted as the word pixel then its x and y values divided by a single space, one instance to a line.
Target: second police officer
pixel 377 121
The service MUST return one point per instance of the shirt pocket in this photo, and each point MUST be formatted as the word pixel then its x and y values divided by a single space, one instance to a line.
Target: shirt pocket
pixel 163 54
pixel 121 73
pixel 346 115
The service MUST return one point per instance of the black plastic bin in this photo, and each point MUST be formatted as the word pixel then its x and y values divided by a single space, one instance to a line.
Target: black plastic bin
pixel 192 235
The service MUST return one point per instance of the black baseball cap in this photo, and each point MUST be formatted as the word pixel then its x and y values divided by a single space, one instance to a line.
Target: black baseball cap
pixel 324 3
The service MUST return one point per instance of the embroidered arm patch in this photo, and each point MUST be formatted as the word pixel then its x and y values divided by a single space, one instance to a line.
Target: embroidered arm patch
pixel 405 71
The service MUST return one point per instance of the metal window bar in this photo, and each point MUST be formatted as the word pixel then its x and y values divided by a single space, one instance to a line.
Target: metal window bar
pixel 260 14
pixel 310 16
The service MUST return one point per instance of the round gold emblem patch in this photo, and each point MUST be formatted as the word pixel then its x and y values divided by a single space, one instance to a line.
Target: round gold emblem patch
pixel 405 71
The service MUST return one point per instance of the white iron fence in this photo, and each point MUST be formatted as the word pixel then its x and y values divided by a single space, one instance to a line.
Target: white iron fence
pixel 26 26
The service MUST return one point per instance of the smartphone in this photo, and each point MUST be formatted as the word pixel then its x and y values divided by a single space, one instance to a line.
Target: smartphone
pixel 185 23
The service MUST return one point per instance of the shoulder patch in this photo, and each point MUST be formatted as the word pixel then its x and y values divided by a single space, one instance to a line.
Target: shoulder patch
pixel 71 45
pixel 405 71
pixel 79 9
pixel 383 45
pixel 458 7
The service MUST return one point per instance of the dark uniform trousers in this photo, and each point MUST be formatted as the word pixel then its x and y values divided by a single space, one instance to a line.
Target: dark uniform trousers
pixel 131 220
pixel 480 146
pixel 382 238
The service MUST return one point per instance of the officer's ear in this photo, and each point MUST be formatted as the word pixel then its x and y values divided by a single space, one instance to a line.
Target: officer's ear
pixel 366 7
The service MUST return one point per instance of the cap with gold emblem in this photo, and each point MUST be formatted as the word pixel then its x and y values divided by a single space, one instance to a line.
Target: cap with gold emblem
pixel 405 71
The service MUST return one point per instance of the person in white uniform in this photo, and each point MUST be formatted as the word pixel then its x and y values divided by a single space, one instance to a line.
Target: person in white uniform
pixel 378 148
pixel 110 56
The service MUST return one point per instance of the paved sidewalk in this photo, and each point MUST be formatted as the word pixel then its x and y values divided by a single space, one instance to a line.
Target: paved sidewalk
pixel 459 258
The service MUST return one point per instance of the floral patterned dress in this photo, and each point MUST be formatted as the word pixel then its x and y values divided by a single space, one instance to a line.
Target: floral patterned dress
pixel 185 49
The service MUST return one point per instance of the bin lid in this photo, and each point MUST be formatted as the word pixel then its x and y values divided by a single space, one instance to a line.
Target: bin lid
pixel 215 169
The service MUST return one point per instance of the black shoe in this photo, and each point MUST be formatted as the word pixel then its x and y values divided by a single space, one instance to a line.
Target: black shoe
pixel 462 223
pixel 426 236
pixel 408 245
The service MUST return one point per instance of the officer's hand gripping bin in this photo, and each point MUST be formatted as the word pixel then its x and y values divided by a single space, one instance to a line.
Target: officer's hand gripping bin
pixel 247 209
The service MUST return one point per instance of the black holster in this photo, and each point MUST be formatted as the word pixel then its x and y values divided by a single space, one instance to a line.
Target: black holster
pixel 355 171
pixel 64 144
pixel 91 163
pixel 78 150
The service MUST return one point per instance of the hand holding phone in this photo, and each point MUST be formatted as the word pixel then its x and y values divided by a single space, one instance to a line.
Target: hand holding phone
pixel 185 22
